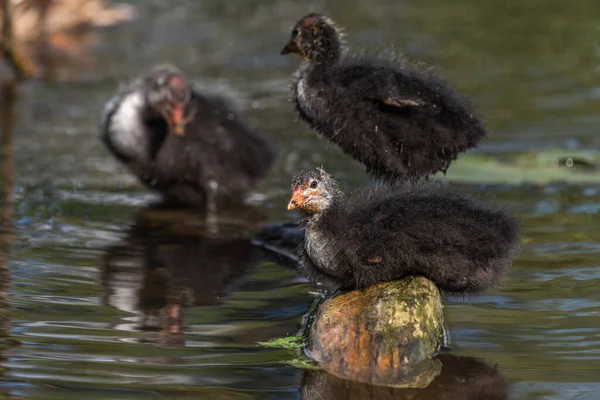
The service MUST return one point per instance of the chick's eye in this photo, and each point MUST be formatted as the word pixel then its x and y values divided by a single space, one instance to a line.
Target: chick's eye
pixel 314 184
pixel 295 32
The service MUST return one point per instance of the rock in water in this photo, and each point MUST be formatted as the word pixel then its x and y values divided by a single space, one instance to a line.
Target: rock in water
pixel 383 335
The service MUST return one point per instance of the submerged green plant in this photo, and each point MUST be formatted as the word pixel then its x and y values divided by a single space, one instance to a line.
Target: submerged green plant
pixel 292 343
pixel 303 363
pixel 289 343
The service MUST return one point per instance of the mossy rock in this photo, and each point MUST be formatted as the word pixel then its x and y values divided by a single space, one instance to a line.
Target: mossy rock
pixel 384 335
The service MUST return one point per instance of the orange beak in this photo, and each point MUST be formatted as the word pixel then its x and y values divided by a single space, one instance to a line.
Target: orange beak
pixel 297 200
pixel 179 97
pixel 177 120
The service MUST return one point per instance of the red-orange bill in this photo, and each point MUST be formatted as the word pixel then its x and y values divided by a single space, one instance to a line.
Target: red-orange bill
pixel 297 199
pixel 177 120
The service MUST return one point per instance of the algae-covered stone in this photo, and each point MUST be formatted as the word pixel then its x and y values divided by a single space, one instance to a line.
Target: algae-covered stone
pixel 383 335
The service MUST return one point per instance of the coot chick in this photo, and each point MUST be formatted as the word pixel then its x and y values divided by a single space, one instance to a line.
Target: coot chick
pixel 462 244
pixel 192 147
pixel 397 120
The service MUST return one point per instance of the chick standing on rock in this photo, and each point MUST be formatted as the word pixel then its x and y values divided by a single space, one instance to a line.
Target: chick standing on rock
pixel 462 244
pixel 399 121
pixel 193 148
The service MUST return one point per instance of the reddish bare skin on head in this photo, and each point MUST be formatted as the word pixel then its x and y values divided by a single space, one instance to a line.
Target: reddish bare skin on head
pixel 300 196
pixel 176 82
pixel 313 191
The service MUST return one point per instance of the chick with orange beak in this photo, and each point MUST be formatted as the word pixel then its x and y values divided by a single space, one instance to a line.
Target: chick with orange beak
pixel 463 244
pixel 311 195
pixel 193 147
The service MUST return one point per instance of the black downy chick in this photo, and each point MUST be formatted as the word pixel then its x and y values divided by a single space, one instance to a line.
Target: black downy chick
pixel 193 148
pixel 399 121
pixel 463 244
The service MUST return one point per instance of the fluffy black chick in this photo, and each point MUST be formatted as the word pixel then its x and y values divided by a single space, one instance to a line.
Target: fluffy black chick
pixel 192 147
pixel 399 121
pixel 463 244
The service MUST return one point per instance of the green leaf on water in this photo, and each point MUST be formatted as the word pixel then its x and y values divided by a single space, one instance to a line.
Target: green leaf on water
pixel 540 167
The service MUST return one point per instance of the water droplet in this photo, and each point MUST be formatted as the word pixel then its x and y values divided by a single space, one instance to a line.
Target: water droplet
pixel 569 163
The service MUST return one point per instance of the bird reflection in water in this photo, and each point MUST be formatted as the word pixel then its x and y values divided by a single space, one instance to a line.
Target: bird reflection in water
pixel 461 378
pixel 168 262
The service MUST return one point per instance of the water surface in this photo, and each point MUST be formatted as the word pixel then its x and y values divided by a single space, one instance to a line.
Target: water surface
pixel 109 298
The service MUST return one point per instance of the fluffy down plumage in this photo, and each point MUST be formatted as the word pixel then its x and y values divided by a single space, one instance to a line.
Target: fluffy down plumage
pixel 399 120
pixel 463 244
pixel 204 147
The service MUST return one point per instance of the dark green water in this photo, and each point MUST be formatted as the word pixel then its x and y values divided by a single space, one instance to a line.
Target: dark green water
pixel 106 299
